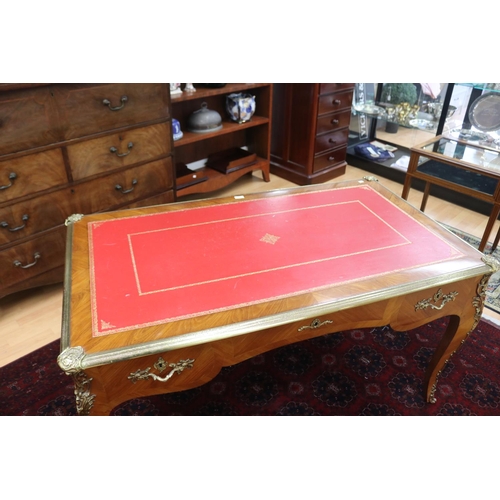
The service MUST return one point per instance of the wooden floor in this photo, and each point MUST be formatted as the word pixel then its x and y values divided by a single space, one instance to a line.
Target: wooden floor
pixel 32 319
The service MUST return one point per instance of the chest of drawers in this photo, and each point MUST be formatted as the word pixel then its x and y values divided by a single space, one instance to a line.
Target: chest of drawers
pixel 310 130
pixel 75 148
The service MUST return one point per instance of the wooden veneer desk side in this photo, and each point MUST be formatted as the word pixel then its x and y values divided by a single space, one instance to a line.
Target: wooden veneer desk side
pixel 189 352
pixel 412 173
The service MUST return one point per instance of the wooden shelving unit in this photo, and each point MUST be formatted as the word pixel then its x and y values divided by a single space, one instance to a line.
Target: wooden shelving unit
pixel 255 135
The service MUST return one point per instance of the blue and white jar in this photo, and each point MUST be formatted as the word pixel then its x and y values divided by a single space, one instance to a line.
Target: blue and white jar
pixel 240 107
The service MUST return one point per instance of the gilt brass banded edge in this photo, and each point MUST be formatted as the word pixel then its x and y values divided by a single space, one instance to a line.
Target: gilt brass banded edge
pixel 246 327
pixel 66 306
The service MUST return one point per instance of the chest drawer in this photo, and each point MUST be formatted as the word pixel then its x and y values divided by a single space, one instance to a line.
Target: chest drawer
pixel 160 199
pixel 27 120
pixel 33 257
pixel 329 159
pixel 326 88
pixel 328 123
pixel 90 109
pixel 333 102
pixel 122 188
pixel 31 174
pixel 119 150
pixel 26 218
pixel 330 141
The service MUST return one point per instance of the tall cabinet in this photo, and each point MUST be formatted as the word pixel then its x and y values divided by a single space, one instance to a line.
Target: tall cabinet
pixel 75 148
pixel 310 130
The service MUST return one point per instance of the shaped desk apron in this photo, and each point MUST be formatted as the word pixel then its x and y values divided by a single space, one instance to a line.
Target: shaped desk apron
pixel 159 299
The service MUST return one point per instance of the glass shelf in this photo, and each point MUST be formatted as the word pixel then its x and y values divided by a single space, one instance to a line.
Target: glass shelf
pixel 490 87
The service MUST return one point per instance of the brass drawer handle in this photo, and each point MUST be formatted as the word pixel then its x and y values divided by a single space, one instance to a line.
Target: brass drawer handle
pixel 332 141
pixel 36 256
pixel 161 365
pixel 331 158
pixel 5 225
pixel 336 102
pixel 107 103
pixel 118 187
pixel 335 121
pixel 316 323
pixel 114 150
pixel 12 178
pixel 432 302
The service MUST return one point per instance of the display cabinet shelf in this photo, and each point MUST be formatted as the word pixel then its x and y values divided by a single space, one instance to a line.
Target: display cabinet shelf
pixel 194 148
pixel 228 127
pixel 215 180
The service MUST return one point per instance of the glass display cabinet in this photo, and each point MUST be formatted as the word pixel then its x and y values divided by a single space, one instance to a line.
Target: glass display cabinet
pixel 399 116
pixel 477 120
pixel 389 121
pixel 395 117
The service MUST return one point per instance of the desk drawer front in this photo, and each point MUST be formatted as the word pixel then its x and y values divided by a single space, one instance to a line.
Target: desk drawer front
pixel 334 102
pixel 31 174
pixel 23 219
pixel 85 109
pixel 330 159
pixel 119 150
pixel 27 120
pixel 134 184
pixel 331 141
pixel 33 257
pixel 332 122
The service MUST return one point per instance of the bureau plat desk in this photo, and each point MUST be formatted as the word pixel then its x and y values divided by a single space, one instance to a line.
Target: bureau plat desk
pixel 158 299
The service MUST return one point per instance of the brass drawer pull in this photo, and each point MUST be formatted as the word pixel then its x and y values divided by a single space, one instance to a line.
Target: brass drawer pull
pixel 161 365
pixel 432 302
pixel 114 150
pixel 317 323
pixel 118 187
pixel 332 141
pixel 107 103
pixel 331 158
pixel 5 225
pixel 36 256
pixel 335 121
pixel 12 178
pixel 336 102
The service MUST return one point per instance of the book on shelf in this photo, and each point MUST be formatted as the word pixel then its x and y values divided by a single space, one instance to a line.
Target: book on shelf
pixel 230 160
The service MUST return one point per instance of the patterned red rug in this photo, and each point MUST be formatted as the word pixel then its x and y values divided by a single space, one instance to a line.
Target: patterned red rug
pixel 358 372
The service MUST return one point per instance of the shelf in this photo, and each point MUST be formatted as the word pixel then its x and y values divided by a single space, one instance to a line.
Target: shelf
pixel 203 92
pixel 216 180
pixel 480 86
pixel 228 127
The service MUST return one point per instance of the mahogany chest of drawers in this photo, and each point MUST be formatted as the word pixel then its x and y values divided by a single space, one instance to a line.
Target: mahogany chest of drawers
pixel 310 130
pixel 75 148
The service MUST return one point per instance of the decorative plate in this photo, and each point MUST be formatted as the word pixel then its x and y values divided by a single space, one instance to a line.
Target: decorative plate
pixel 484 112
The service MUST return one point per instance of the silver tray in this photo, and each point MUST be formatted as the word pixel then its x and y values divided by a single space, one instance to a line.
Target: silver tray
pixel 484 112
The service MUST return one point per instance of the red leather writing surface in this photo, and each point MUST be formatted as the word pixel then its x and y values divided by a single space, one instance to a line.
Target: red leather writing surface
pixel 162 267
